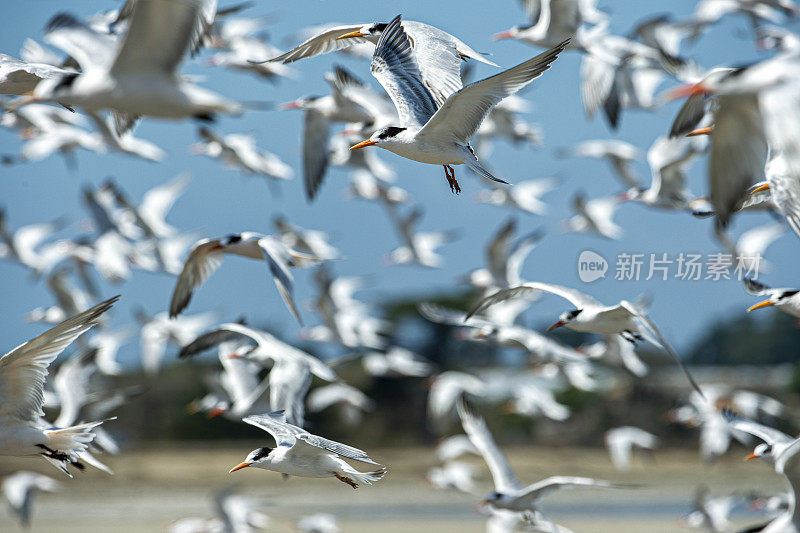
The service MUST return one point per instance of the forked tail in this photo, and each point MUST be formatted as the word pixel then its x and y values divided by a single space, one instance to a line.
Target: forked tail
pixel 64 445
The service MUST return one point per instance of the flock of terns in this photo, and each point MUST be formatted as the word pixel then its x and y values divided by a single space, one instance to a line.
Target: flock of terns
pixel 122 66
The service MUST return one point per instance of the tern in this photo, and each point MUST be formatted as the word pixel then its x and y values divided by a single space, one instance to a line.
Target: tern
pixel 508 493
pixel 299 453
pixel 20 488
pixel 595 216
pixel 439 54
pixel 137 75
pixel 552 21
pixel 623 441
pixel 787 300
pixel 434 134
pixel 780 451
pixel 784 188
pixel 619 154
pixel 624 318
pixel 239 151
pixel 349 402
pixel 207 255
pixel 22 375
pixel 21 77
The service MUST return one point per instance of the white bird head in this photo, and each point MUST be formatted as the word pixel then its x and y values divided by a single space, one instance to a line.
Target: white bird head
pixel 367 30
pixel 762 450
pixel 385 138
pixel 258 458
pixel 565 318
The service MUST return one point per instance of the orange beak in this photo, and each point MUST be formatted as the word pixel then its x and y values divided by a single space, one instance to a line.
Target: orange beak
pixel 556 325
pixel 235 356
pixel 683 91
pixel 239 467
pixel 350 35
pixel 751 456
pixel 362 144
pixel 215 412
pixel 701 131
pixel 502 35
pixel 759 305
pixel 760 188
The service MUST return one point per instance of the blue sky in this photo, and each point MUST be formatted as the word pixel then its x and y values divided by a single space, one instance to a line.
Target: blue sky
pixel 220 201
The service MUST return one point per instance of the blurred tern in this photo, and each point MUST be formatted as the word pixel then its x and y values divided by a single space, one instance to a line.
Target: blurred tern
pixel 621 442
pixel 19 490
pixel 624 318
pixel 299 453
pixel 438 54
pixel 508 493
pixel 22 375
pixel 138 74
pixel 787 300
pixel 207 255
pixel 594 216
pixel 433 133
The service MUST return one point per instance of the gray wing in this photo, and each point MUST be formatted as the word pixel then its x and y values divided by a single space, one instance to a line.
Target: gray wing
pixel 322 43
pixel 765 433
pixel 538 490
pixel 160 33
pixel 336 447
pixel 23 370
pixel 316 154
pixel 396 69
pixel 276 254
pixel 479 434
pixel 689 116
pixel 577 298
pixel 738 153
pixel 209 340
pixel 275 424
pixel 650 325
pixel 755 288
pixel 90 48
pixel 462 113
pixel 203 260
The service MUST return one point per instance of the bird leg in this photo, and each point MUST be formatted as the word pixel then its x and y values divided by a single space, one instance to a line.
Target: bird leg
pixel 631 337
pixel 450 174
pixel 60 456
pixel 346 480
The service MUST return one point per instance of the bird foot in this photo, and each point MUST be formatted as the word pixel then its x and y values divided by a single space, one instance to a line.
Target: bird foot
pixel 346 480
pixel 60 456
pixel 450 174
pixel 631 337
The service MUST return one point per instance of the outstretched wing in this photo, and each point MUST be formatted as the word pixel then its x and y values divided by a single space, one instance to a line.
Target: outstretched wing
pixel 544 487
pixel 577 298
pixel 395 67
pixel 322 43
pixel 24 369
pixel 462 113
pixel 203 260
pixel 479 434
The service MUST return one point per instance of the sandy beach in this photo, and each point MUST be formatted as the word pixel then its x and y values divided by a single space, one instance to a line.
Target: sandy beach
pixel 153 488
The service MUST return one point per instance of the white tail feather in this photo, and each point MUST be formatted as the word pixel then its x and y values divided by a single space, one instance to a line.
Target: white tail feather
pixel 367 478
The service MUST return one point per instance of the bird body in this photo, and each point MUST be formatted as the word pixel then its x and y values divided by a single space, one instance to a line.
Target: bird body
pixel 302 454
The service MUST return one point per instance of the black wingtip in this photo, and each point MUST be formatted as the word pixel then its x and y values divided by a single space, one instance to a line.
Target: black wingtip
pixel 62 20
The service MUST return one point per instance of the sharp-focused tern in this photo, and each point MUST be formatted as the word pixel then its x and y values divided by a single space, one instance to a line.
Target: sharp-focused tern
pixel 439 134
pixel 299 453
